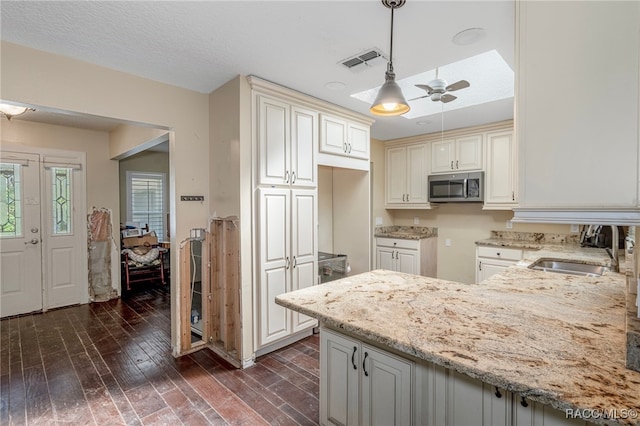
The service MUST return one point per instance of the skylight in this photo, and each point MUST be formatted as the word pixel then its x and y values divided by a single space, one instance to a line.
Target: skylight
pixel 490 77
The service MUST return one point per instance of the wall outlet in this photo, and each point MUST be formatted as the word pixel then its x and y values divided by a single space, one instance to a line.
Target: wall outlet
pixel 509 224
pixel 416 221
pixel 378 221
pixel 574 227
pixel 447 242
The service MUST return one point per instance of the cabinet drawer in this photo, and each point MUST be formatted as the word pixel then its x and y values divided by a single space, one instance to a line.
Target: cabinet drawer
pixel 500 253
pixel 398 243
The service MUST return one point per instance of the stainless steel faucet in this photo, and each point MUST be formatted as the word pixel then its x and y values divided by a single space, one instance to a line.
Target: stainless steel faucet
pixel 613 250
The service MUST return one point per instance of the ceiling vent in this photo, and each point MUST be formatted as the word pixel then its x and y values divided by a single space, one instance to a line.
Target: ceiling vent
pixel 363 60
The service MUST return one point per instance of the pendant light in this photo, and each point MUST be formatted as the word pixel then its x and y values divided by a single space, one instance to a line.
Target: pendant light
pixel 390 100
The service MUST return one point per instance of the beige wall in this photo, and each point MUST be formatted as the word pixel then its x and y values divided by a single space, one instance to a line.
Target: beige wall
pixel 47 81
pixel 146 161
pixel 102 173
pixel 126 140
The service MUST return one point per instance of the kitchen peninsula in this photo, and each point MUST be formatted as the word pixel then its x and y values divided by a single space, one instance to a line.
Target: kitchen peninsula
pixel 537 339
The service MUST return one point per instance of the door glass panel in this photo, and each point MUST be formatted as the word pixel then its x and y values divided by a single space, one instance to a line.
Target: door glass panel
pixel 61 197
pixel 10 200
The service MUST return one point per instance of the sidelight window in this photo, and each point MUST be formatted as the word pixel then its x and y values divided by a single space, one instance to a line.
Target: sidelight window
pixel 10 200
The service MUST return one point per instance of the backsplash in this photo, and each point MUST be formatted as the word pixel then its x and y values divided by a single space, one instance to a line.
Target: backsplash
pixel 537 237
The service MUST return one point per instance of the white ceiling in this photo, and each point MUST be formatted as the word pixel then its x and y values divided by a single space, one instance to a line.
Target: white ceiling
pixel 299 44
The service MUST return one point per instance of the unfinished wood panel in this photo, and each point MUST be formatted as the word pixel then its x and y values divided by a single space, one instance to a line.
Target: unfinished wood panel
pixel 225 289
pixel 185 301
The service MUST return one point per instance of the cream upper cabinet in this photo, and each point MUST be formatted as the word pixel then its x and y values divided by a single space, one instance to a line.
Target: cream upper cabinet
pixel 287 143
pixel 501 171
pixel 343 137
pixel 407 172
pixel 578 157
pixel 459 154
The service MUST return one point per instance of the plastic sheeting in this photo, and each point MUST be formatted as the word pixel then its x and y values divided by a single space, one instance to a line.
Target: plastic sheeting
pixel 99 245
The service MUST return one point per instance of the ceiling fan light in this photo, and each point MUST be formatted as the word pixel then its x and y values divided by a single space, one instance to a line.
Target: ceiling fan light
pixel 390 101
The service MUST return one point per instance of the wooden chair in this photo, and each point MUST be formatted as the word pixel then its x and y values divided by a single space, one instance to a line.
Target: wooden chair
pixel 142 260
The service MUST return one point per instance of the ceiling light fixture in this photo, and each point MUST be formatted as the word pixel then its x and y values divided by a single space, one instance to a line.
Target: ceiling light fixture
pixel 10 111
pixel 469 36
pixel 390 100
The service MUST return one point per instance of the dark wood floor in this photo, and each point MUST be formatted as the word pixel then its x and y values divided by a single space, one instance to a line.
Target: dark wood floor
pixel 111 363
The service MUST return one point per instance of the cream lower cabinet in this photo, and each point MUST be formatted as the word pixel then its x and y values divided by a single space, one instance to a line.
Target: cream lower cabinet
pixel 493 260
pixel 363 385
pixel 288 258
pixel 416 257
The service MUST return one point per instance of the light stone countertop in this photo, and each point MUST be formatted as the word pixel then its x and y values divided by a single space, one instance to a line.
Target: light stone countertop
pixel 406 232
pixel 557 339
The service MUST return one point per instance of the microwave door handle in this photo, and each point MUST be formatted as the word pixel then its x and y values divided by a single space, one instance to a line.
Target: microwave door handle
pixel 465 188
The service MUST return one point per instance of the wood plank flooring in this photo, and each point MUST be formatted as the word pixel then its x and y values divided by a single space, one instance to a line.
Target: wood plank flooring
pixel 111 363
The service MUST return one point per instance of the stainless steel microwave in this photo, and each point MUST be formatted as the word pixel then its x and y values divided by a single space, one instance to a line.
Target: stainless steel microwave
pixel 456 187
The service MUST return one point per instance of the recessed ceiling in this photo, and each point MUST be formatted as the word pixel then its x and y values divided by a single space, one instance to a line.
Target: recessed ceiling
pixel 298 44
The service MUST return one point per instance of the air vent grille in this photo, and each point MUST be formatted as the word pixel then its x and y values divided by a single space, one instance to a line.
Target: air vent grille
pixel 365 59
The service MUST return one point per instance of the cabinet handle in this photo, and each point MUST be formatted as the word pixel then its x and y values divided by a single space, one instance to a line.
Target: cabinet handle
pixel 513 196
pixel 397 253
pixel 364 368
pixel 457 167
pixel 403 197
pixel 479 266
pixel 524 402
pixel 407 198
pixel 344 146
pixel 349 148
pixel 287 264
pixel 295 262
pixel 286 176
pixel 353 358
pixel 497 393
pixel 293 177
pixel 451 164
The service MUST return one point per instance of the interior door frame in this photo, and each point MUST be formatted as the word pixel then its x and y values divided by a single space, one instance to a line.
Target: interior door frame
pixel 80 207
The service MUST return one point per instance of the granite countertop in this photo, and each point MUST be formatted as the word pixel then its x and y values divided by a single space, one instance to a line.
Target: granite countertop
pixel 406 232
pixel 557 339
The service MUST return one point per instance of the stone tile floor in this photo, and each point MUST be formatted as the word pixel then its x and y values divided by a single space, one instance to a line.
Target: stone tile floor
pixel 111 363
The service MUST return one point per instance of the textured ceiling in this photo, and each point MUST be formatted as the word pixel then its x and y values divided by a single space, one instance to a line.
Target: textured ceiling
pixel 298 44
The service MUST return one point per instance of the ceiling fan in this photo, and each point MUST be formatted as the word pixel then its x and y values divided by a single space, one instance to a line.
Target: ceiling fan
pixel 437 89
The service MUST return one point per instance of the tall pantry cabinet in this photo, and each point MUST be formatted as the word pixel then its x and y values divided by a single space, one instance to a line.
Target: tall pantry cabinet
pixel 286 211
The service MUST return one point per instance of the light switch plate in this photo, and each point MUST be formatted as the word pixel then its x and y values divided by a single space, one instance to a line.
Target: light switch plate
pixel 509 224
pixel 416 221
pixel 574 227
pixel 378 221
pixel 447 242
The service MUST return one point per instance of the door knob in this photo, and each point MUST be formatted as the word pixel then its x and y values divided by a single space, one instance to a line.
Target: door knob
pixel 32 241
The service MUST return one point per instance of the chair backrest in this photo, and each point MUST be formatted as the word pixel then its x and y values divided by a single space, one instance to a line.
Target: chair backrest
pixel 148 240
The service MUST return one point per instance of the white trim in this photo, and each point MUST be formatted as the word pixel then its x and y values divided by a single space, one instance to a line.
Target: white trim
pixel 61 162
pixel 12 159
pixel 584 215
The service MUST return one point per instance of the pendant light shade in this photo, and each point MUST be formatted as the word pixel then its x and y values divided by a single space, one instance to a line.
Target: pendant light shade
pixel 390 101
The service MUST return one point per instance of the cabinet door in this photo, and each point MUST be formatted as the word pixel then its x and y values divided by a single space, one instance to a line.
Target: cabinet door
pixel 497 406
pixel 417 174
pixel 358 141
pixel 469 153
pixel 387 389
pixel 385 258
pixel 464 400
pixel 304 248
pixel 273 141
pixel 486 268
pixel 501 175
pixel 396 175
pixel 275 261
pixel 531 413
pixel 407 261
pixel 442 156
pixel 333 135
pixel 304 144
pixel 339 379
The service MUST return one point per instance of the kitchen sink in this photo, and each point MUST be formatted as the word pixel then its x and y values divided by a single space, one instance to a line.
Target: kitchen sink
pixel 569 267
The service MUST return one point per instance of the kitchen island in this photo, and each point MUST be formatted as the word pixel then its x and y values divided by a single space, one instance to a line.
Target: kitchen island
pixel 558 340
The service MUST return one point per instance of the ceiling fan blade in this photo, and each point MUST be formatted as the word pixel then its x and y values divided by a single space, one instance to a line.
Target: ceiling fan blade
pixel 428 88
pixel 448 98
pixel 419 97
pixel 457 85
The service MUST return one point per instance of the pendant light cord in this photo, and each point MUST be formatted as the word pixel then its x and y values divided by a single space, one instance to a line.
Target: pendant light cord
pixel 391 40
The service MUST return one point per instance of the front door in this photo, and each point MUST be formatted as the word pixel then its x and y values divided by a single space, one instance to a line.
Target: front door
pixel 43 254
pixel 20 236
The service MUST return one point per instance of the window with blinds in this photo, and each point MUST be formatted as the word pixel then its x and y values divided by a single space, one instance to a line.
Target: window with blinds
pixel 146 201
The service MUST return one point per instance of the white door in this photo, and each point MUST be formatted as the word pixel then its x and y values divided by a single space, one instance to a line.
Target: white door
pixel 333 135
pixel 442 153
pixel 417 174
pixel 385 258
pixel 304 145
pixel 397 175
pixel 387 389
pixel 275 261
pixel 358 141
pixel 20 238
pixel 304 249
pixel 469 153
pixel 273 141
pixel 407 261
pixel 44 252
